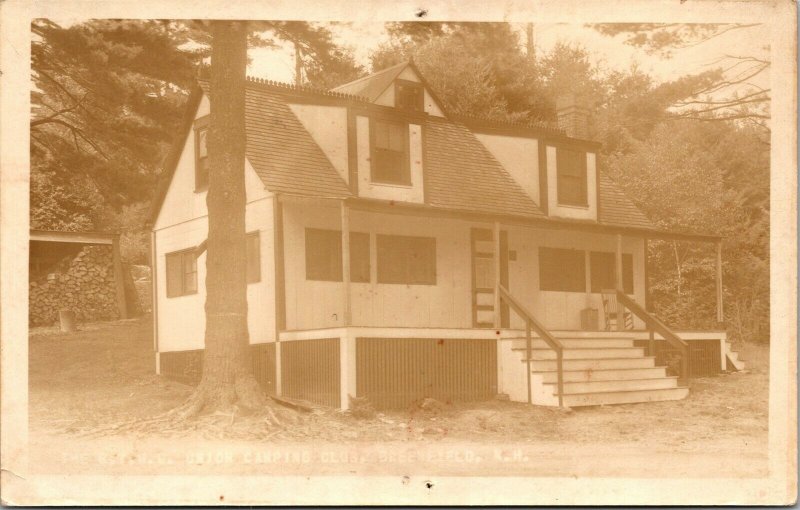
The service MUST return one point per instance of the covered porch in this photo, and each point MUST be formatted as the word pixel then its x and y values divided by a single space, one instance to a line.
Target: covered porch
pixel 347 313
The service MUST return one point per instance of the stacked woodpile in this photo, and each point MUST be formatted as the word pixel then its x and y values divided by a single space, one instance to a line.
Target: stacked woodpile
pixel 83 284
pixel 144 287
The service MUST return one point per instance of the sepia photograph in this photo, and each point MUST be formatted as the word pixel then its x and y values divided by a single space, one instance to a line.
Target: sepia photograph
pixel 419 249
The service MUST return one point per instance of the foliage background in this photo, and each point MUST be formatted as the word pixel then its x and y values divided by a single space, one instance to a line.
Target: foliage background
pixel 692 152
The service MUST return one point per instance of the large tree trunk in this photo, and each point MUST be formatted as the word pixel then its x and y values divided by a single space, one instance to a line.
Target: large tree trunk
pixel 227 372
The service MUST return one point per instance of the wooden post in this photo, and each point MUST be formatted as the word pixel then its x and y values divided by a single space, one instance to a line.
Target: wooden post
pixel 154 289
pixel 720 310
pixel 618 277
pixel 119 278
pixel 647 299
pixel 280 286
pixel 497 312
pixel 346 319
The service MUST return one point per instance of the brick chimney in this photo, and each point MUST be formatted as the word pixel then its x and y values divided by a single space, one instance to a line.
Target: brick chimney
pixel 573 116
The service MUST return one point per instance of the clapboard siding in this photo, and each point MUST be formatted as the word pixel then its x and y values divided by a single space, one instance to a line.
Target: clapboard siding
pixel 394 372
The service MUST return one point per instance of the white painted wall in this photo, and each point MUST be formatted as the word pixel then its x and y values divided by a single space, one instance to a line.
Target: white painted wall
pixel 397 192
pixel 561 310
pixel 316 304
pixel 183 223
pixel 519 156
pixel 448 304
pixel 328 127
pixel 571 211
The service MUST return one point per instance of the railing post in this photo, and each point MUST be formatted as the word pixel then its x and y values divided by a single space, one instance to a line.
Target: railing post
pixel 528 357
pixel 651 348
pixel 560 368
pixel 497 282
pixel 619 284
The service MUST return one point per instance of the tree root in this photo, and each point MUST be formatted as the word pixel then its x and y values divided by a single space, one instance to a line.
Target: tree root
pixel 202 412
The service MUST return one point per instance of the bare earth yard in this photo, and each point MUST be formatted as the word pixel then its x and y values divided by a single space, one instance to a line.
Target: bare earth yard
pixel 103 375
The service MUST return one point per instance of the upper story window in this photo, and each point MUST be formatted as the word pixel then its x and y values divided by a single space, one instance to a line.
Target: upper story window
pixel 201 154
pixel 389 160
pixel 571 171
pixel 409 95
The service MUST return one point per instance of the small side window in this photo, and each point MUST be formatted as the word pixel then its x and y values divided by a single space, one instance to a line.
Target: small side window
pixel 409 95
pixel 201 154
pixel 181 273
pixel 253 257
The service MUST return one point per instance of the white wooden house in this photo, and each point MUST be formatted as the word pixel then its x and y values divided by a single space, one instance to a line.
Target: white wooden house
pixel 397 251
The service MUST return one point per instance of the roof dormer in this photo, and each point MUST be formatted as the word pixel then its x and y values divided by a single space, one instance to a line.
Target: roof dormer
pixel 400 86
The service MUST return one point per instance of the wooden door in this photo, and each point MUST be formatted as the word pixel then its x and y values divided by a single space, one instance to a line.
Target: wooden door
pixel 483 267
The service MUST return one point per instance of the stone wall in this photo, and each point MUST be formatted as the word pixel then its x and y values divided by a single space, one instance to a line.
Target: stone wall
pixel 83 284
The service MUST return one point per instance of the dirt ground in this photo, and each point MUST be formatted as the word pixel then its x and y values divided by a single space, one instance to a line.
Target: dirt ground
pixel 103 375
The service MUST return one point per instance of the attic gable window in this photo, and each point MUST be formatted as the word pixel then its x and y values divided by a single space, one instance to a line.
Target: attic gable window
pixel 409 95
pixel 201 154
pixel 389 160
pixel 571 172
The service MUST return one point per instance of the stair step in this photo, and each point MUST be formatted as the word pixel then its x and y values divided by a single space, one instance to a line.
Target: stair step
pixel 624 397
pixel 569 343
pixel 594 364
pixel 616 385
pixel 614 374
pixel 587 353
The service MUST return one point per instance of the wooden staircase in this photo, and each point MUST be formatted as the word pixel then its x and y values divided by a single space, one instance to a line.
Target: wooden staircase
pixel 732 361
pixel 597 370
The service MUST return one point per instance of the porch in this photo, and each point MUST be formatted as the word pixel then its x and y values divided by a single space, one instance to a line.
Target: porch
pixel 393 367
pixel 350 325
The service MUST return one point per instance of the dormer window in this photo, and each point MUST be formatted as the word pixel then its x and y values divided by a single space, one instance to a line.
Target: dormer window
pixel 571 171
pixel 409 96
pixel 201 154
pixel 389 160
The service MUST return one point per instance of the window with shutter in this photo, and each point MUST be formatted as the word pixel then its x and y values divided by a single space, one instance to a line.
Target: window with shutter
pixel 562 270
pixel 406 260
pixel 603 267
pixel 324 256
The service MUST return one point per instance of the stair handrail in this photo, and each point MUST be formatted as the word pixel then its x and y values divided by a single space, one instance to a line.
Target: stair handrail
pixel 550 340
pixel 653 323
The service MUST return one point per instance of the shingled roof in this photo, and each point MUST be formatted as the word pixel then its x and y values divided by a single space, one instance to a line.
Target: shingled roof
pixel 373 85
pixel 282 152
pixel 616 209
pixel 460 173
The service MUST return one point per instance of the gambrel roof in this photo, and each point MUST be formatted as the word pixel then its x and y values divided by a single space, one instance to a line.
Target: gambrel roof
pixel 459 172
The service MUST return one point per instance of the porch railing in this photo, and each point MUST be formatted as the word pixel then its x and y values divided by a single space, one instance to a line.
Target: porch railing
pixel 532 324
pixel 655 325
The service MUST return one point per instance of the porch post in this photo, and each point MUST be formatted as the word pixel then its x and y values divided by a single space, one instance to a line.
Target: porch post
pixel 720 311
pixel 280 286
pixel 346 315
pixel 497 312
pixel 618 276
pixel 119 278
pixel 646 277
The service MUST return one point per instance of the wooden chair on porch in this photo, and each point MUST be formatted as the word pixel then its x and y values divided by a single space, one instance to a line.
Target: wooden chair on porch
pixel 610 311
